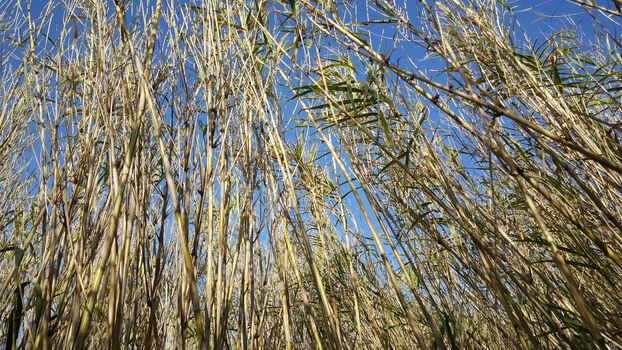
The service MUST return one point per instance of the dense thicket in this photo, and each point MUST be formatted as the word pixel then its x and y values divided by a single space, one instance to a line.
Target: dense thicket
pixel 263 174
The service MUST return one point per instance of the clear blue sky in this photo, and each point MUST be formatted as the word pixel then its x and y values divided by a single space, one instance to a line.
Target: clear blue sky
pixel 536 18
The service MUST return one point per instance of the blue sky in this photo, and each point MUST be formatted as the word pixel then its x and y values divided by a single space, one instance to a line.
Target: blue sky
pixel 536 18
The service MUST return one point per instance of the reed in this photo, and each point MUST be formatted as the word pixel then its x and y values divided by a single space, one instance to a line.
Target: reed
pixel 266 174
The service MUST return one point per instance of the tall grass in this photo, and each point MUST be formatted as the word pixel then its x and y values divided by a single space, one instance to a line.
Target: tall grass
pixel 309 174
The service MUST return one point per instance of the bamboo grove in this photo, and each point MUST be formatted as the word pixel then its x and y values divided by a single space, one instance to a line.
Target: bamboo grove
pixel 301 174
